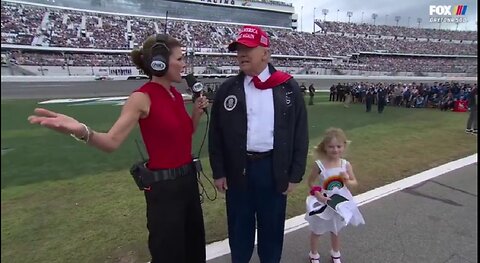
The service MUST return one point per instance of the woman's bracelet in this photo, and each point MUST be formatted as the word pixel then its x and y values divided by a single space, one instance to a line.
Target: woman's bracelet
pixel 314 189
pixel 85 138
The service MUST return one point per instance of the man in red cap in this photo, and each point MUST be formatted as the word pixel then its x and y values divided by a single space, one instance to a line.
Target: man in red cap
pixel 258 144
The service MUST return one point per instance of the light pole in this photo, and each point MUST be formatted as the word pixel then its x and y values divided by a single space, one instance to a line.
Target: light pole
pixel 301 18
pixel 166 23
pixel 338 10
pixel 386 19
pixel 374 17
pixel 408 24
pixel 314 9
pixel 362 17
pixel 324 12
pixel 419 21
pixel 397 18
pixel 349 14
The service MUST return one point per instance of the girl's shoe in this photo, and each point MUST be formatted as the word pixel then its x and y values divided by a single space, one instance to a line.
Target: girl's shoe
pixel 335 256
pixel 314 258
pixel 336 260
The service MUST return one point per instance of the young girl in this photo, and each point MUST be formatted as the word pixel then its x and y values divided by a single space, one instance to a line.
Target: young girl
pixel 329 178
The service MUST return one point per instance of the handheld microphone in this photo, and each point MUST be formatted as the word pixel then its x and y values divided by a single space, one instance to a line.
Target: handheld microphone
pixel 197 90
pixel 195 86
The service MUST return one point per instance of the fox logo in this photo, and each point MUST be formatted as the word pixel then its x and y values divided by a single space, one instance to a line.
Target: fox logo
pixel 447 10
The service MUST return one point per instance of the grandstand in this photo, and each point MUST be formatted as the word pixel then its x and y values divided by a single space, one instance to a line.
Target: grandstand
pixel 44 37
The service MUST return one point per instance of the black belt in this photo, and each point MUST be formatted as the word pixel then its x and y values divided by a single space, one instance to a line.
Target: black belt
pixel 253 156
pixel 167 174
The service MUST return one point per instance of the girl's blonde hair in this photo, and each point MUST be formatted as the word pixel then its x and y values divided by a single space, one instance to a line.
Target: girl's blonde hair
pixel 330 134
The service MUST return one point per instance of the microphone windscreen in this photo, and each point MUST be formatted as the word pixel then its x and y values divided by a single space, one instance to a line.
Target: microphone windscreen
pixel 191 80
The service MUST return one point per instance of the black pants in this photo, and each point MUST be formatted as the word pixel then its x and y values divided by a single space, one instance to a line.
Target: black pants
pixel 175 221
pixel 472 118
pixel 381 105
pixel 398 100
pixel 368 104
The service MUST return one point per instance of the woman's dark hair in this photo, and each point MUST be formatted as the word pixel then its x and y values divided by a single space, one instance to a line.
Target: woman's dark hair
pixel 137 55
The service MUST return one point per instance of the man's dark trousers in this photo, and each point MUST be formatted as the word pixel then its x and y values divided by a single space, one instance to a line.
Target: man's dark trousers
pixel 368 103
pixel 381 104
pixel 261 201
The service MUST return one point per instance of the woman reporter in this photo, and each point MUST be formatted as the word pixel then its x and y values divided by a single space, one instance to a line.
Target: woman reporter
pixel 174 213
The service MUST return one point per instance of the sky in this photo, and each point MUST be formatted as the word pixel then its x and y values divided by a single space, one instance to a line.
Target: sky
pixel 387 10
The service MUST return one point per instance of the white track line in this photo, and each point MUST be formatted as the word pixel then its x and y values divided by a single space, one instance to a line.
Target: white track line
pixel 220 248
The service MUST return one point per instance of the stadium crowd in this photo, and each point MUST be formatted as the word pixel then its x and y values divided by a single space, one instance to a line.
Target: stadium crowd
pixel 40 26
pixel 412 64
pixel 399 31
pixel 70 59
pixel 362 63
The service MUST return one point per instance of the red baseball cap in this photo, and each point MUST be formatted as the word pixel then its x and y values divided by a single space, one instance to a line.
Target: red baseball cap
pixel 250 36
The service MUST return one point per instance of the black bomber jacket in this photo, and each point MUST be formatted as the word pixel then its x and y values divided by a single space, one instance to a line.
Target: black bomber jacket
pixel 228 133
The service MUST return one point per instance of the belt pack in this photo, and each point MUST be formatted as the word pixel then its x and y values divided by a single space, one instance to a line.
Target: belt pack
pixel 145 177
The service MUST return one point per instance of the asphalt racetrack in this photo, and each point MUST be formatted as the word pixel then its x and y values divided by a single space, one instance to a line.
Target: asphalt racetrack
pixel 106 88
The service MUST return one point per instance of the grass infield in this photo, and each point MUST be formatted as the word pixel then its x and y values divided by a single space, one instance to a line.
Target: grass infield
pixel 65 202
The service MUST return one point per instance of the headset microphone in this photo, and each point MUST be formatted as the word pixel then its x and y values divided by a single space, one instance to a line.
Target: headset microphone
pixel 195 86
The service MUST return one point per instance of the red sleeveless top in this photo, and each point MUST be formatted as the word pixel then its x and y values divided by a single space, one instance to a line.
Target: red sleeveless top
pixel 167 130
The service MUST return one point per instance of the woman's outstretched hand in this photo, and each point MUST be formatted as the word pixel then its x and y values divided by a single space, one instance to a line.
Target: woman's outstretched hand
pixel 57 122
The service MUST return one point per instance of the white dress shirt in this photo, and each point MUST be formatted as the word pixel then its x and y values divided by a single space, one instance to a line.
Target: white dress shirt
pixel 260 114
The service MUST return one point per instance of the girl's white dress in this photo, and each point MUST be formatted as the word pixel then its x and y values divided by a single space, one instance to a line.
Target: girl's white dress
pixel 346 213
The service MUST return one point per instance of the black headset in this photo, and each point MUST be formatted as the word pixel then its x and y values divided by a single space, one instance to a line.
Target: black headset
pixel 157 59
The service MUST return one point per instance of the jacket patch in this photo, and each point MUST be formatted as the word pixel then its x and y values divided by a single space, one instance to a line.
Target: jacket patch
pixel 230 102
